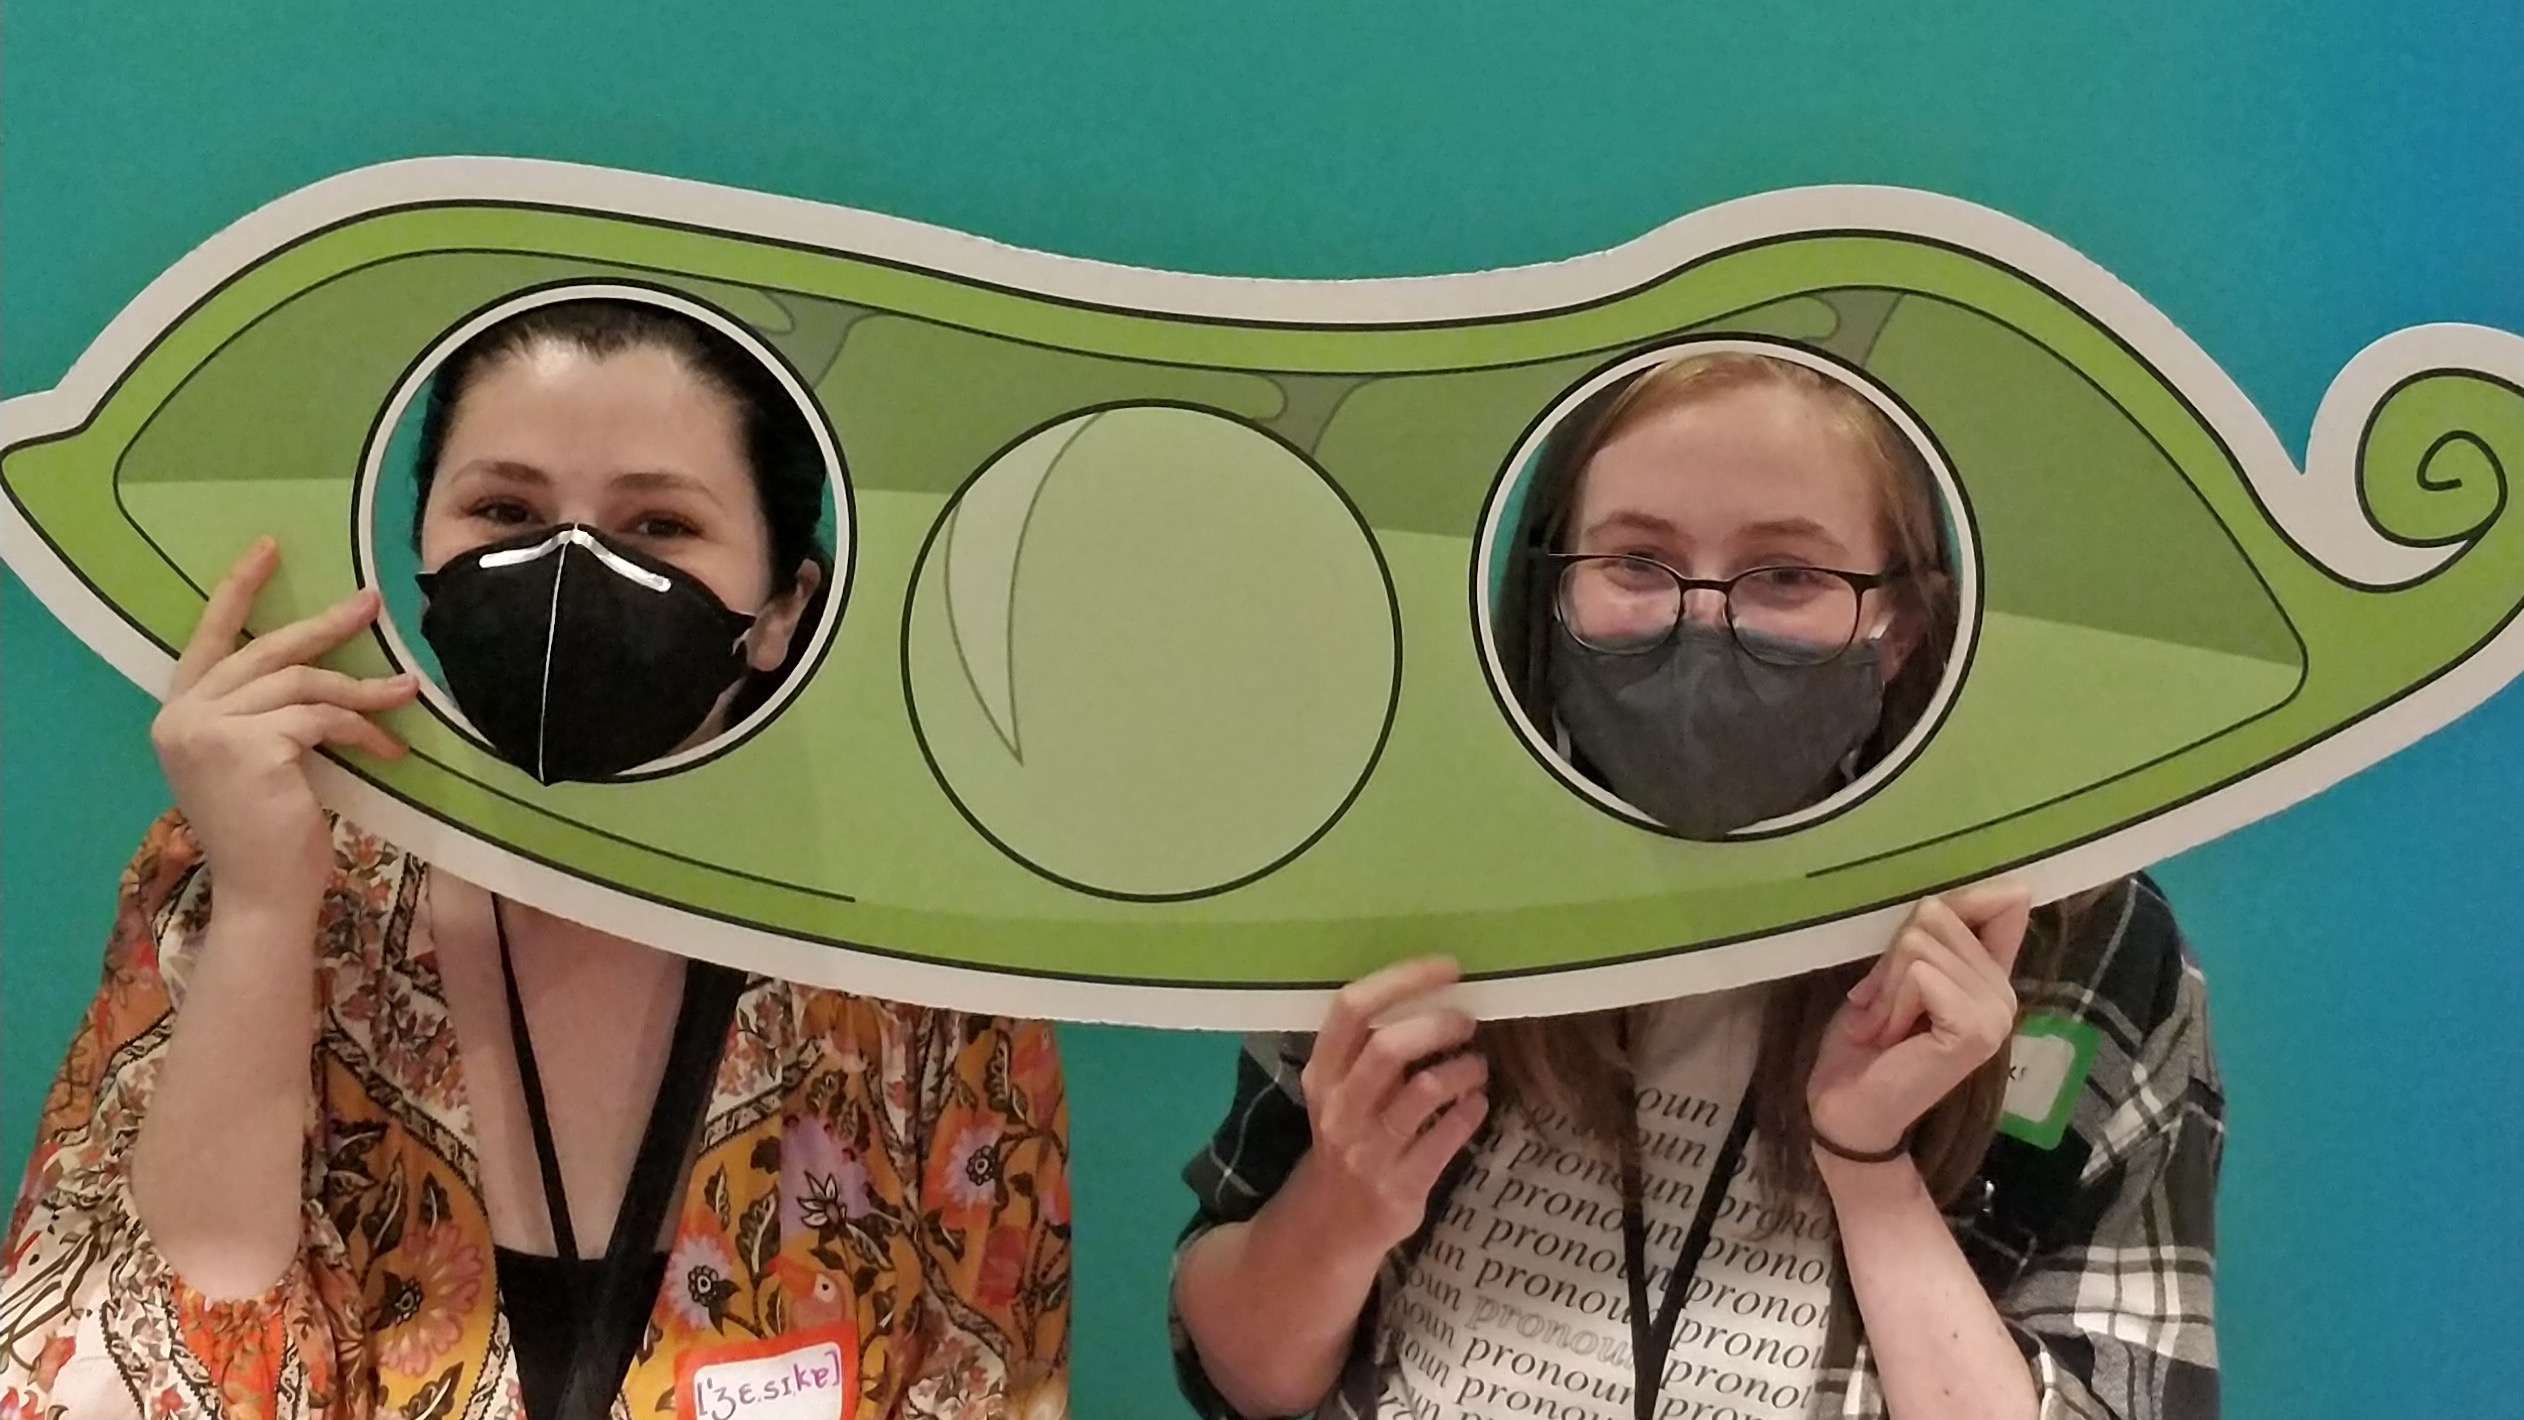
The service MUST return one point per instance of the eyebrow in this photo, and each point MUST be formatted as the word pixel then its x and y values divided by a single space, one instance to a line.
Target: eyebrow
pixel 1630 518
pixel 640 480
pixel 1773 530
pixel 505 471
pixel 1795 528
pixel 665 481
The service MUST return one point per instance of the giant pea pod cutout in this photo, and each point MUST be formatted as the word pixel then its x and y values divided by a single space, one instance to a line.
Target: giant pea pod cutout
pixel 1158 690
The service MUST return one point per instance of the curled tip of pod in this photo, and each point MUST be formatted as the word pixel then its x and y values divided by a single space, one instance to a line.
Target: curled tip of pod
pixel 2433 469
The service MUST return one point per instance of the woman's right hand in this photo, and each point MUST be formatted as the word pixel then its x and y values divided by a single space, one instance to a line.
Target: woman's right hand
pixel 1391 1100
pixel 237 726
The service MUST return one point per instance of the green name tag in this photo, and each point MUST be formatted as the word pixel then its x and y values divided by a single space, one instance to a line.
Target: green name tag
pixel 2046 1067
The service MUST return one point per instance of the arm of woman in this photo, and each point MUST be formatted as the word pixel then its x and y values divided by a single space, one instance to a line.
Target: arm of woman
pixel 2111 1318
pixel 994 1199
pixel 1027 1260
pixel 93 1309
pixel 1250 1267
pixel 168 1199
pixel 1935 1007
pixel 1309 1184
pixel 2115 1307
pixel 216 1170
pixel 1941 1348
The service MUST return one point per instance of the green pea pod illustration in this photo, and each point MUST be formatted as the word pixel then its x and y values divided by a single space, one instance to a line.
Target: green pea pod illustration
pixel 1158 682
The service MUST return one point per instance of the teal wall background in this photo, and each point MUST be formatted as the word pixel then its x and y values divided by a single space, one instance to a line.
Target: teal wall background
pixel 2286 181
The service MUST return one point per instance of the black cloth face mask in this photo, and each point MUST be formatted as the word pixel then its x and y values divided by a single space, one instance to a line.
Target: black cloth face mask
pixel 576 657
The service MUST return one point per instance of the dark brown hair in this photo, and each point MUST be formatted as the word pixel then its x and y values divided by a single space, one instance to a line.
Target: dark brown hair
pixel 789 471
pixel 1578 1066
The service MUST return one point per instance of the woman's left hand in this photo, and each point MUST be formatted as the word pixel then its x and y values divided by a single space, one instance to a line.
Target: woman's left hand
pixel 1936 1007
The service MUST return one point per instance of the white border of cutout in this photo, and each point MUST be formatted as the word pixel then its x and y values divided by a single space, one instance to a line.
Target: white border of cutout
pixel 381 435
pixel 2318 510
pixel 1965 551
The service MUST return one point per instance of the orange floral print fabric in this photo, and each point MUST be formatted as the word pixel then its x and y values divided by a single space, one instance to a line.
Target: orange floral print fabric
pixel 901 1170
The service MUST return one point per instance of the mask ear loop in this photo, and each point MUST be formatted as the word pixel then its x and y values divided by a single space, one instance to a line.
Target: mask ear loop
pixel 753 624
pixel 1872 638
pixel 1876 634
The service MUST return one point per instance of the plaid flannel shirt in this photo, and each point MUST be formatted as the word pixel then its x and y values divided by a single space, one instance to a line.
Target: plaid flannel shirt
pixel 2099 1253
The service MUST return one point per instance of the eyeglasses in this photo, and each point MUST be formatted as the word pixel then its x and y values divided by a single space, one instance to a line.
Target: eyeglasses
pixel 1789 616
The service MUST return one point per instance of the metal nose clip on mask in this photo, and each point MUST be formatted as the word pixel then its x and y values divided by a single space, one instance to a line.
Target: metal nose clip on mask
pixel 576 657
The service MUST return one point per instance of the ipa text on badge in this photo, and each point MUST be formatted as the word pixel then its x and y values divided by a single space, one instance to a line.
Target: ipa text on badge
pixel 808 1383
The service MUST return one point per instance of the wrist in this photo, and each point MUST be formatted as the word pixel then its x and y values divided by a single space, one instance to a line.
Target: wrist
pixel 1327 1220
pixel 1827 1143
pixel 1864 1186
pixel 1856 1128
pixel 241 901
pixel 276 922
pixel 274 927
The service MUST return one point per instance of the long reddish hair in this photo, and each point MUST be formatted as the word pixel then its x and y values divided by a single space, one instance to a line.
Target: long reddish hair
pixel 1579 1065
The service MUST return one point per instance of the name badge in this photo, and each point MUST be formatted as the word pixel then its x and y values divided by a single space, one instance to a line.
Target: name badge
pixel 803 1375
pixel 2046 1068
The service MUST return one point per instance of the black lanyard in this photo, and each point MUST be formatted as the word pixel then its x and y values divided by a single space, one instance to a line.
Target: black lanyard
pixel 611 1328
pixel 1651 1341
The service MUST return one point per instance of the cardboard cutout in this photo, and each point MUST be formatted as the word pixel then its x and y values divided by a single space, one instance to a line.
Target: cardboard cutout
pixel 1158 685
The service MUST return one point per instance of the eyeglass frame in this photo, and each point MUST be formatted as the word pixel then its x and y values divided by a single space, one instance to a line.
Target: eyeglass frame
pixel 1860 583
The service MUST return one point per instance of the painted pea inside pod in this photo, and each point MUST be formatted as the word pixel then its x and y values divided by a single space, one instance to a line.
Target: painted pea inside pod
pixel 1151 652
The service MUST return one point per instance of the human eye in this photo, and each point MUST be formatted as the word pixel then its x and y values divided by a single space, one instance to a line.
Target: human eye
pixel 663 527
pixel 1790 583
pixel 502 512
pixel 1636 572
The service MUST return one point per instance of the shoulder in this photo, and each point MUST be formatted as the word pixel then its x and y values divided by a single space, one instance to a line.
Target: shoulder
pixel 990 1052
pixel 2141 1139
pixel 170 861
pixel 163 885
pixel 823 1010
pixel 1264 1133
pixel 2152 1087
pixel 164 865
pixel 1279 1058
pixel 168 890
pixel 361 857
pixel 1266 1120
pixel 2118 960
pixel 928 1047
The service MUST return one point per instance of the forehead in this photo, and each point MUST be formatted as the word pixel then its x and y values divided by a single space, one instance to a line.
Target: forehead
pixel 1749 453
pixel 565 409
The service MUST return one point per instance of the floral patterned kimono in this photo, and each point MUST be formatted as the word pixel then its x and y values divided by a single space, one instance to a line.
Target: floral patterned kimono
pixel 884 1187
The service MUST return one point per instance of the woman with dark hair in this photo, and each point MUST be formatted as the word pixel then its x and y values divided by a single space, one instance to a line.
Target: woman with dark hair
pixel 1727 601
pixel 778 446
pixel 360 1138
